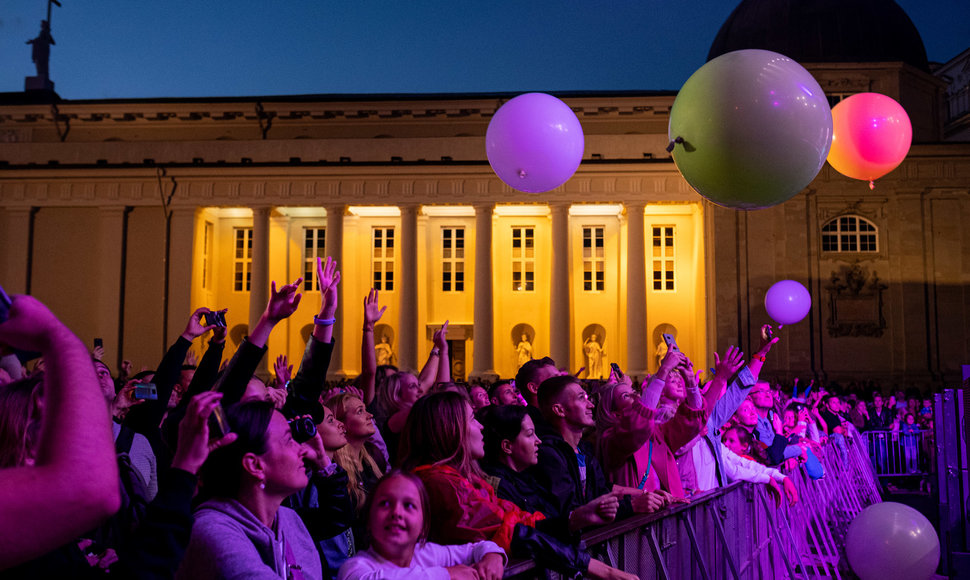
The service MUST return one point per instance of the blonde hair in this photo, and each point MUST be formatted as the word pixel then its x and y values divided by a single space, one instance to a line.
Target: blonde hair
pixel 350 459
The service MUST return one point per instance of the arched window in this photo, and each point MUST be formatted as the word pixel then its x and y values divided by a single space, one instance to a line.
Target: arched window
pixel 850 233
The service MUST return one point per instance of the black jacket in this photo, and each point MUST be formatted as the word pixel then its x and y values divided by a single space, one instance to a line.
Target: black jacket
pixel 558 472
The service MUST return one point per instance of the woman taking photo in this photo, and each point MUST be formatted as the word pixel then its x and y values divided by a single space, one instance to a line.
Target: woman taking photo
pixel 242 530
pixel 442 444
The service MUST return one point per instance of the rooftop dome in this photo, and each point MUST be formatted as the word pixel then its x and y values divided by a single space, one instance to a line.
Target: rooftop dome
pixel 824 31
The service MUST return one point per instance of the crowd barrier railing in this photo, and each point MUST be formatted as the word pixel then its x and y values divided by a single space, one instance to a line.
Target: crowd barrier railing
pixel 899 453
pixel 738 531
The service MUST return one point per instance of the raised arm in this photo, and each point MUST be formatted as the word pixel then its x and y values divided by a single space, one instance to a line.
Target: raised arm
pixel 429 374
pixel 368 358
pixel 444 361
pixel 311 377
pixel 282 304
pixel 650 396
pixel 75 466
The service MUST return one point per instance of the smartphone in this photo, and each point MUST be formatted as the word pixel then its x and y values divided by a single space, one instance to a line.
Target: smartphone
pixel 98 343
pixel 671 342
pixel 766 333
pixel 4 305
pixel 215 317
pixel 616 370
pixel 218 424
pixel 145 391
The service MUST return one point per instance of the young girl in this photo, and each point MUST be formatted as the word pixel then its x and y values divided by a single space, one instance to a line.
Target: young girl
pixel 398 519
pixel 442 443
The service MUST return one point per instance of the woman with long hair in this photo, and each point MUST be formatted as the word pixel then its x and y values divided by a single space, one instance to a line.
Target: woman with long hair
pixel 363 463
pixel 243 528
pixel 442 443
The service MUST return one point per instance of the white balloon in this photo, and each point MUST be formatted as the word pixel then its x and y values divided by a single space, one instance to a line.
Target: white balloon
pixel 891 540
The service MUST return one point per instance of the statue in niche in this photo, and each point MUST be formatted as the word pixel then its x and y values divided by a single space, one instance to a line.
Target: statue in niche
pixel 523 350
pixel 594 354
pixel 384 352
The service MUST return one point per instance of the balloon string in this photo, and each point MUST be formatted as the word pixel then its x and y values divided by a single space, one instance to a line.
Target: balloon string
pixel 670 145
pixel 872 185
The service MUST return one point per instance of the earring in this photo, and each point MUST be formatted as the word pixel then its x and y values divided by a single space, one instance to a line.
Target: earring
pixel 262 484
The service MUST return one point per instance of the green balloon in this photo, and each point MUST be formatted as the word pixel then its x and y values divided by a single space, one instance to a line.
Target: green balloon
pixel 752 129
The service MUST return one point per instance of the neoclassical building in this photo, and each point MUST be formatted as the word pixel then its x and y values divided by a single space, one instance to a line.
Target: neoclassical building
pixel 125 215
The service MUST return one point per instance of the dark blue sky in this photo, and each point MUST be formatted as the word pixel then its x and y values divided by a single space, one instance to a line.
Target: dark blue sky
pixel 176 48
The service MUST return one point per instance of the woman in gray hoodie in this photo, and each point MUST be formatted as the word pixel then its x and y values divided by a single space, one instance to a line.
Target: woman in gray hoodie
pixel 243 531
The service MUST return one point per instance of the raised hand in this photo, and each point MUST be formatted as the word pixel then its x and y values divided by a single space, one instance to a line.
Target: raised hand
pixel 196 326
pixel 440 339
pixel 193 440
pixel 283 370
pixel 283 302
pixel 328 278
pixel 731 363
pixel 372 310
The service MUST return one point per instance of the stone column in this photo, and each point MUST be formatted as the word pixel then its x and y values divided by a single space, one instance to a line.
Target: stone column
pixel 559 315
pixel 14 241
pixel 259 269
pixel 407 280
pixel 181 246
pixel 109 245
pixel 483 364
pixel 636 293
pixel 335 249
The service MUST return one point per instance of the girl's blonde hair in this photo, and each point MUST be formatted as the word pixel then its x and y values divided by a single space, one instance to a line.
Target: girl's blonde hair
pixel 350 459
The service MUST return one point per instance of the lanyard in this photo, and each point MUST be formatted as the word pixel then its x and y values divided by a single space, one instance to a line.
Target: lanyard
pixel 643 482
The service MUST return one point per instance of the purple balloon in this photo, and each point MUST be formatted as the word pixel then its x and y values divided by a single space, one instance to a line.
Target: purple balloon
pixel 788 302
pixel 534 143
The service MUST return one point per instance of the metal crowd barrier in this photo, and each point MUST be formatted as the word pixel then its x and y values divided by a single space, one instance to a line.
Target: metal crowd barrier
pixel 898 453
pixel 738 532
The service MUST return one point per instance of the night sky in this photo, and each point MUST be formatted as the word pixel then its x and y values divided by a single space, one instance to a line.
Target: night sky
pixel 129 49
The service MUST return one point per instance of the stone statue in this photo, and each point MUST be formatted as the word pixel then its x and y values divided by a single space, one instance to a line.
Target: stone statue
pixel 594 353
pixel 41 50
pixel 524 350
pixel 383 352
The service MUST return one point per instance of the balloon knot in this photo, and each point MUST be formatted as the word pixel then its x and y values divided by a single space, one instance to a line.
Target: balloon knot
pixel 872 185
pixel 522 174
pixel 670 146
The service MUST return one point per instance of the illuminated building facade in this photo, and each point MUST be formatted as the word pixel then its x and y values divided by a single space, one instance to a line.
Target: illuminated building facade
pixel 125 215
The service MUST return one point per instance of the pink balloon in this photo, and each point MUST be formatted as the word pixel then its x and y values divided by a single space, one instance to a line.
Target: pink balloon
pixel 871 136
pixel 788 302
pixel 534 143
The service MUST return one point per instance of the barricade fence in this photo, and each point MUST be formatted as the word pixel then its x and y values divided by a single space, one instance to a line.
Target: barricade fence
pixel 739 532
pixel 897 453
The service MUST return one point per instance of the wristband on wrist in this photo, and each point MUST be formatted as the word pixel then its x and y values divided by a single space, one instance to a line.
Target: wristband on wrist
pixel 435 351
pixel 323 321
pixel 759 357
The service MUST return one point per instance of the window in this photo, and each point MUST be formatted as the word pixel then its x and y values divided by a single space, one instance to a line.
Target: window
pixel 243 259
pixel 850 233
pixel 314 247
pixel 523 259
pixel 383 259
pixel 593 259
pixel 836 98
pixel 452 259
pixel 208 233
pixel 663 258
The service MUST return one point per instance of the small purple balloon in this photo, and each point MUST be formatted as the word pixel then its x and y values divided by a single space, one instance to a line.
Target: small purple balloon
pixel 534 143
pixel 788 302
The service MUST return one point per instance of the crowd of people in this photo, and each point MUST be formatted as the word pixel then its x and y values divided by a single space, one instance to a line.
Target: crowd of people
pixel 204 470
